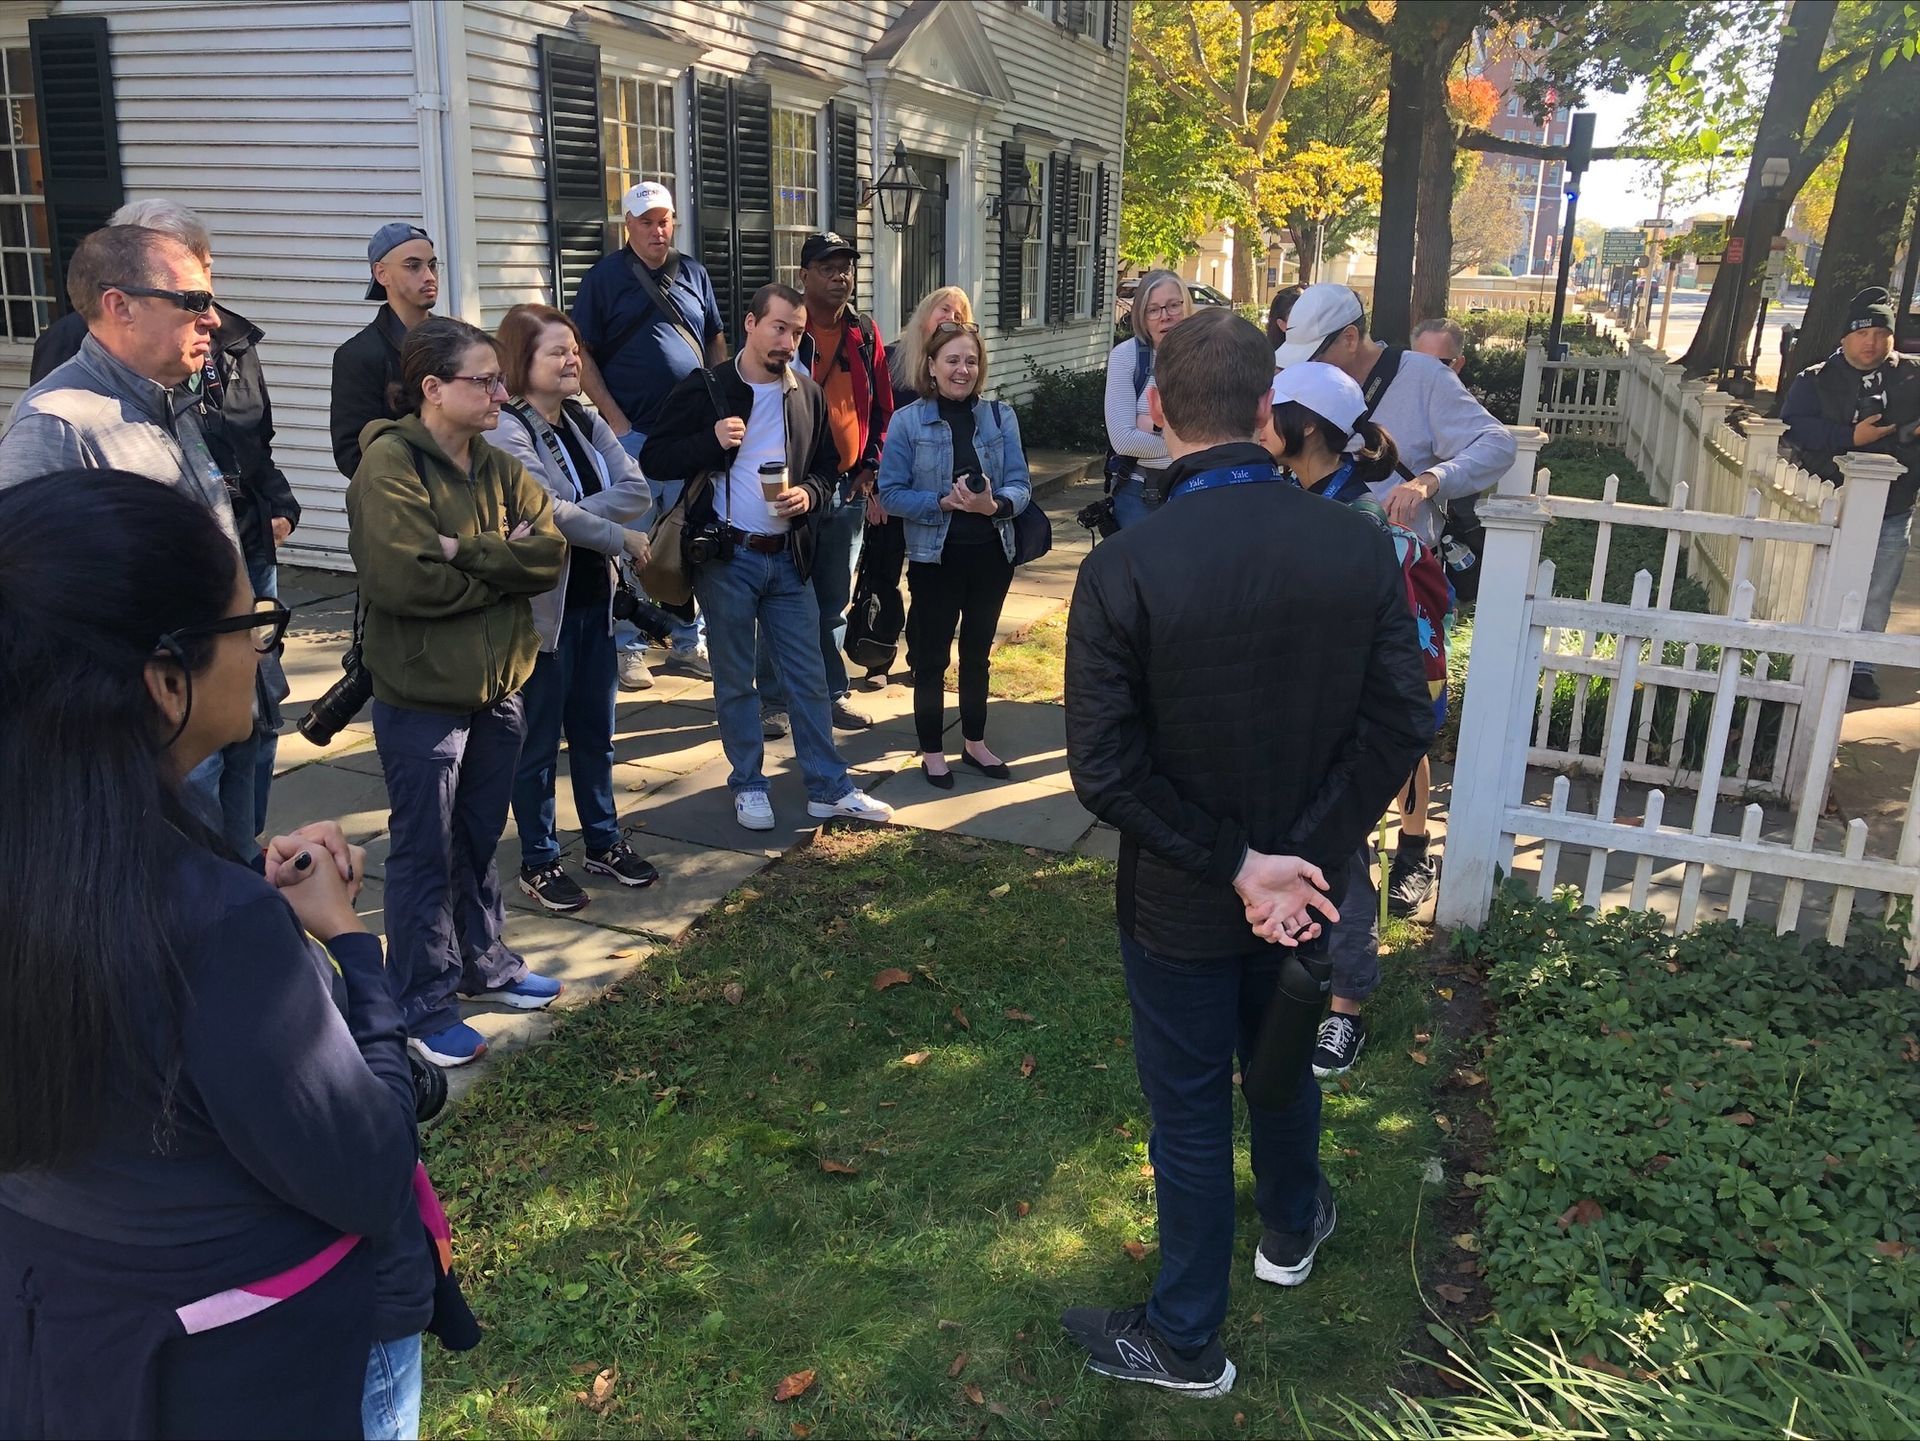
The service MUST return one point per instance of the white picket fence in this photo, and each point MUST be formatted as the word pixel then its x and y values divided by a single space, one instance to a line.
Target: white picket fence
pixel 1744 702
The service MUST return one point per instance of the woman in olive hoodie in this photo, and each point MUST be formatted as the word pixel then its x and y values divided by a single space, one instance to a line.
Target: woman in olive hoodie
pixel 451 538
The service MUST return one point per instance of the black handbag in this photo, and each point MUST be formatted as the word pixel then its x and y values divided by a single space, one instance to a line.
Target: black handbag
pixel 876 615
pixel 1032 534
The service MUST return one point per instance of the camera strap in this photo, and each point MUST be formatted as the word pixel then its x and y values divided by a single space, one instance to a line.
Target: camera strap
pixel 537 426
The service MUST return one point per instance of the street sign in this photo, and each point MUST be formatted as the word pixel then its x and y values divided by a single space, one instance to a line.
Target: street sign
pixel 1658 223
pixel 1621 247
pixel 1736 250
pixel 1770 287
pixel 1776 265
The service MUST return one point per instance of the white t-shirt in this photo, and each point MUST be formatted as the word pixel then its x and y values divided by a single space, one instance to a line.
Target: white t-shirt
pixel 743 507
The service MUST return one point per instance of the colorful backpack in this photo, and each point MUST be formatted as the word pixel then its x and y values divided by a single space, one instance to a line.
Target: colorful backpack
pixel 1429 596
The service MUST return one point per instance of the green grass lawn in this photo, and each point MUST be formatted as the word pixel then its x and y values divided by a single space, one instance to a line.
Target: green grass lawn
pixel 1034 667
pixel 749 1162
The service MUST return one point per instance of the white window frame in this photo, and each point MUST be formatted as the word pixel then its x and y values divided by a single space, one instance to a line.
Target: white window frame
pixel 1084 300
pixel 1055 13
pixel 1513 105
pixel 1033 248
pixel 794 230
pixel 27 260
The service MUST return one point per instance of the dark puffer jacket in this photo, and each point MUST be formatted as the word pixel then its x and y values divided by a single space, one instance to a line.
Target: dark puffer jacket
pixel 1242 670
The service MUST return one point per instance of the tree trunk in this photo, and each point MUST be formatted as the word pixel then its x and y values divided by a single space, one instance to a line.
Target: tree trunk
pixel 1869 208
pixel 1249 250
pixel 1433 236
pixel 1796 84
pixel 1410 110
pixel 1306 250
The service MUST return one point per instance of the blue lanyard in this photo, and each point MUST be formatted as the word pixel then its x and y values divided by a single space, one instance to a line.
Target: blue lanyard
pixel 1225 475
pixel 1336 482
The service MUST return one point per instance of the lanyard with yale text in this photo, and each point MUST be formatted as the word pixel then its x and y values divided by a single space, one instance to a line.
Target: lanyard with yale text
pixel 1225 475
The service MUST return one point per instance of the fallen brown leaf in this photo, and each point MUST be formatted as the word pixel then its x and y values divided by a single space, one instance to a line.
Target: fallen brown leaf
pixel 1741 1118
pixel 1444 992
pixel 1466 1079
pixel 1028 1065
pixel 1583 1212
pixel 1025 1208
pixel 973 1394
pixel 1014 1013
pixel 734 993
pixel 998 1408
pixel 891 976
pixel 1135 1250
pixel 1147 1170
pixel 619 955
pixel 798 1384
pixel 1239 1418
pixel 583 1368
pixel 837 1168
pixel 917 1058
pixel 1349 1152
pixel 1894 1250
pixel 1419 1058
pixel 959 1365
pixel 1467 1241
pixel 1737 1045
pixel 1594 1363
pixel 1910 1048
pixel 1832 1160
pixel 1000 890
pixel 960 1019
pixel 1420 1038
pixel 802 1430
pixel 1447 1291
pixel 1445 1123
pixel 1658 1164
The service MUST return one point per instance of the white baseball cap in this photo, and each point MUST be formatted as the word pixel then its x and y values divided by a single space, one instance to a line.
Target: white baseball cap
pixel 647 195
pixel 1327 390
pixel 1321 311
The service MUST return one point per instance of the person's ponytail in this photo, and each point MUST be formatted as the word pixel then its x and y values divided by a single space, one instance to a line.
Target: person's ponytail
pixel 1378 457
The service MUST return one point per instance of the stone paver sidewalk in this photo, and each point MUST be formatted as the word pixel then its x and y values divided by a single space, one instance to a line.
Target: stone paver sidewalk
pixel 670 781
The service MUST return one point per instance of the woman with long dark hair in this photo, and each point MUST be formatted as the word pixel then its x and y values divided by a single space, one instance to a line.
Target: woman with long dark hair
pixel 203 1115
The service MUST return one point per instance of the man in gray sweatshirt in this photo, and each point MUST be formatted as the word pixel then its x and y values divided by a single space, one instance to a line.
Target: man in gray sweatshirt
pixel 1451 449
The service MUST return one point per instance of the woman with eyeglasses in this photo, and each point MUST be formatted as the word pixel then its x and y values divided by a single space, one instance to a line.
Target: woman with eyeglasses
pixel 207 1146
pixel 600 500
pixel 451 538
pixel 954 472
pixel 1138 454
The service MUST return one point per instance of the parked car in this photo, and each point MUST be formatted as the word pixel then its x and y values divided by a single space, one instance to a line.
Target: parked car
pixel 1202 295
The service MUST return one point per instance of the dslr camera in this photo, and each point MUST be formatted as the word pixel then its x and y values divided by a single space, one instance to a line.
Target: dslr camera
pixel 343 699
pixel 710 542
pixel 652 621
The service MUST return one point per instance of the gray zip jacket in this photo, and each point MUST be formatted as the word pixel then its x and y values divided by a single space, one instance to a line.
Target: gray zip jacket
pixel 595 523
pixel 94 413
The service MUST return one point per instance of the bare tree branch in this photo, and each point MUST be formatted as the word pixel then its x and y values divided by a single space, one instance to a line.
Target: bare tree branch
pixel 1488 143
pixel 1280 89
pixel 1200 65
pixel 1244 76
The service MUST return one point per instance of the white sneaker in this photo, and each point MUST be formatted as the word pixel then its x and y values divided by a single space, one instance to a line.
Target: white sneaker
pixel 632 667
pixel 856 805
pixel 754 811
pixel 694 662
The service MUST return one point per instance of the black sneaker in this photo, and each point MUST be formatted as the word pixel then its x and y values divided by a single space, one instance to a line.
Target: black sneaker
pixel 622 865
pixel 1121 1344
pixel 1286 1257
pixel 553 888
pixel 1863 686
pixel 1412 879
pixel 1342 1038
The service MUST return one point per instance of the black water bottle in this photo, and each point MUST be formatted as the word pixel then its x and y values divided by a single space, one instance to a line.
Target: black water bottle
pixel 1283 1055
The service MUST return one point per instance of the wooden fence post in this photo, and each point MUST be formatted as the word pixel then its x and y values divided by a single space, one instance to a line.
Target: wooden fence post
pixel 1530 383
pixel 1501 676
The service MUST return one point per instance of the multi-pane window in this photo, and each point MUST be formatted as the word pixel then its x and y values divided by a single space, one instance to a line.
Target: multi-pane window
pixel 1083 297
pixel 1033 250
pixel 26 256
pixel 796 187
pixel 1083 17
pixel 637 139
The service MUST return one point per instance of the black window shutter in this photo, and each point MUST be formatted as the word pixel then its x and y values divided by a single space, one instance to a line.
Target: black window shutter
pixel 1059 237
pixel 753 189
pixel 1102 217
pixel 576 181
pixel 1013 175
pixel 843 135
pixel 79 133
pixel 1074 16
pixel 713 187
pixel 1109 22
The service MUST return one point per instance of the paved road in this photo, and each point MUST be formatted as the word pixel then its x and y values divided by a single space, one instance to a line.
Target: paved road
pixel 1684 319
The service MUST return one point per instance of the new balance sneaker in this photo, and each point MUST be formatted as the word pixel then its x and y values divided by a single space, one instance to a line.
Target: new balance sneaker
pixel 1341 1040
pixel 846 718
pixel 1124 1345
pixel 552 887
pixel 774 724
pixel 693 662
pixel 633 672
pixel 529 993
pixel 753 810
pixel 622 865
pixel 856 805
pixel 1412 878
pixel 458 1045
pixel 1286 1257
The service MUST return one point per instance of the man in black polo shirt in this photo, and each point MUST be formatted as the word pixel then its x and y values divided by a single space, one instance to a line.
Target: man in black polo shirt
pixel 366 369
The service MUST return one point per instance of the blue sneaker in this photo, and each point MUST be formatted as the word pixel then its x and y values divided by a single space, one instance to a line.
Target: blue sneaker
pixel 458 1045
pixel 529 993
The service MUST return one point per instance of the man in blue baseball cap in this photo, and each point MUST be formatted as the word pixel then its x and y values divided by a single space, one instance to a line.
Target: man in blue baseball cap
pixel 366 370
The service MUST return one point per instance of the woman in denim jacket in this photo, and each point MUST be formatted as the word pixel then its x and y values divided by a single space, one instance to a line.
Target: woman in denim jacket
pixel 953 471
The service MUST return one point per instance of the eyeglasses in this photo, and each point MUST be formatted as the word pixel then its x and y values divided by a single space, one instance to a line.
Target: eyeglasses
pixel 956 327
pixel 488 383
pixel 416 265
pixel 1164 312
pixel 268 620
pixel 197 301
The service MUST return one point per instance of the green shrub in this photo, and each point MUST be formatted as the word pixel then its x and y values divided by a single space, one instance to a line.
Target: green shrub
pixel 1682 1121
pixel 1498 267
pixel 1065 409
pixel 1493 374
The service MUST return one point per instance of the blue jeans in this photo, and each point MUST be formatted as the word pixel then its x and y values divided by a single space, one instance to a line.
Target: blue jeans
pixel 1189 1017
pixel 835 553
pixel 220 791
pixel 1889 563
pixel 1353 944
pixel 390 1404
pixel 266 581
pixel 1129 502
pixel 448 781
pixel 572 691
pixel 690 635
pixel 764 593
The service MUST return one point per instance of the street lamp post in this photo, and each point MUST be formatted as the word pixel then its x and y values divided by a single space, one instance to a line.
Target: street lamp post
pixel 1773 179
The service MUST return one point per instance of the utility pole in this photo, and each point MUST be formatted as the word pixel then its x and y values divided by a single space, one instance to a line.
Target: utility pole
pixel 1579 154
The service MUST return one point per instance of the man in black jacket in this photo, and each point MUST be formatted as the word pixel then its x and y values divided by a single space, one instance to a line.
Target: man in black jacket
pixel 1865 397
pixel 1244 695
pixel 366 367
pixel 759 429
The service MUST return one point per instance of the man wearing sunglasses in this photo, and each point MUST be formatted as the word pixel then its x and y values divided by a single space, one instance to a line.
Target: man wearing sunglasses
pixel 405 279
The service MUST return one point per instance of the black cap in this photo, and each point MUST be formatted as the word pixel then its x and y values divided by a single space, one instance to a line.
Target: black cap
pixel 820 247
pixel 1871 309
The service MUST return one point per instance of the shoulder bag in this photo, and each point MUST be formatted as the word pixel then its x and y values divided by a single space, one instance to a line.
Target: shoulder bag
pixel 667 578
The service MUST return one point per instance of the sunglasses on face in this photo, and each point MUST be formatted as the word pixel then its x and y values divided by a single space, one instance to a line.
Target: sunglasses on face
pixel 956 327
pixel 268 621
pixel 197 301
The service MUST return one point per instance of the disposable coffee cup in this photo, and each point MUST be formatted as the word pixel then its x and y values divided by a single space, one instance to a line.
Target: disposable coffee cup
pixel 773 480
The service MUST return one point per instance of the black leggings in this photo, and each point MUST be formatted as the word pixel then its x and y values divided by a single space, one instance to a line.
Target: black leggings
pixel 965 587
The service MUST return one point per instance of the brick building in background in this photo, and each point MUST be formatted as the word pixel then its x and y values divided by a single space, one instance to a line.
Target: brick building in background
pixel 1534 186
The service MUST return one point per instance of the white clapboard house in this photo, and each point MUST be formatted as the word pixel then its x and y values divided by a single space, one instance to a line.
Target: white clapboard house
pixel 509 129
